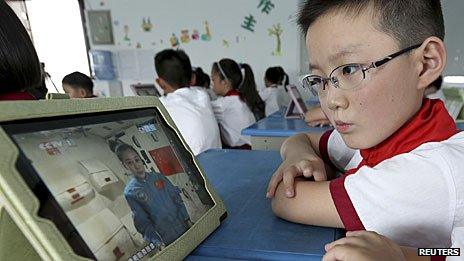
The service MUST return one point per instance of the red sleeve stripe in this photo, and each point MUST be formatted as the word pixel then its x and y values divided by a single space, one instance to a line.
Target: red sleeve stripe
pixel 344 205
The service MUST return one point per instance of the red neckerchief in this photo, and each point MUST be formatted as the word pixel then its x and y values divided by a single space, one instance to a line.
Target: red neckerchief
pixel 234 92
pixel 432 123
pixel 15 96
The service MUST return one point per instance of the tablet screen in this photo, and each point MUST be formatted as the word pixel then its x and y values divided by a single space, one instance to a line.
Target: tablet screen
pixel 118 186
pixel 145 90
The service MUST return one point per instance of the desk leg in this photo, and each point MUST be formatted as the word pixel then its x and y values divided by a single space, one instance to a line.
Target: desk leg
pixel 267 143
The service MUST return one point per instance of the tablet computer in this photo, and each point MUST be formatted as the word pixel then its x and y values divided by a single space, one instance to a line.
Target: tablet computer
pixel 296 107
pixel 145 90
pixel 55 96
pixel 105 179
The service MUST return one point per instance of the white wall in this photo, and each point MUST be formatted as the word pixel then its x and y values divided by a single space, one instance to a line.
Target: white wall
pixel 454 39
pixel 225 19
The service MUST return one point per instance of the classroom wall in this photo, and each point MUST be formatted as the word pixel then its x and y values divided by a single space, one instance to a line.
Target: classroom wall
pixel 454 39
pixel 134 48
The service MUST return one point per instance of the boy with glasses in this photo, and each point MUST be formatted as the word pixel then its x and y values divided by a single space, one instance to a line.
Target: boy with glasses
pixel 401 156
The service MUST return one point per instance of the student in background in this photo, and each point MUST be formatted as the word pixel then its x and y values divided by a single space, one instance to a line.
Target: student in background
pixel 275 80
pixel 189 108
pixel 250 94
pixel 202 80
pixel 230 108
pixel 40 92
pixel 371 74
pixel 19 65
pixel 78 85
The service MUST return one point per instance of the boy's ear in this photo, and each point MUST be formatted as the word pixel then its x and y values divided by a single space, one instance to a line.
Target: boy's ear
pixel 432 61
pixel 193 80
pixel 161 83
pixel 82 92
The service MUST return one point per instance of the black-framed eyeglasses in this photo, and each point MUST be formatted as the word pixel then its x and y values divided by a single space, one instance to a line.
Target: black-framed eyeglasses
pixel 347 76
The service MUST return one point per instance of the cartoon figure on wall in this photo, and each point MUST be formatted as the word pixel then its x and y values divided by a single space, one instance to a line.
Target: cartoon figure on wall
pixel 174 40
pixel 195 35
pixel 225 43
pixel 184 36
pixel 207 35
pixel 276 30
pixel 146 24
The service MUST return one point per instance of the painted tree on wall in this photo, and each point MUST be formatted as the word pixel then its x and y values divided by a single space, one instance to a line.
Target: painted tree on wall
pixel 276 31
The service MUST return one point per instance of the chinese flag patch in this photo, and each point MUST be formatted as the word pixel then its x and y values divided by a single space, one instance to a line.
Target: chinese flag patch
pixel 159 184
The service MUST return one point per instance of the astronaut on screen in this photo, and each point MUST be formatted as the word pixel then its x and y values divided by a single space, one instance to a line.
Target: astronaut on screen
pixel 157 208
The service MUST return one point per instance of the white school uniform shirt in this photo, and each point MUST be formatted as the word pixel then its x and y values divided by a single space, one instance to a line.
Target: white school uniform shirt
pixel 233 115
pixel 274 98
pixel 414 198
pixel 457 239
pixel 191 111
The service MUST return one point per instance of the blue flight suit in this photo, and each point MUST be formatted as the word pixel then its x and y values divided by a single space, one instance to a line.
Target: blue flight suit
pixel 157 208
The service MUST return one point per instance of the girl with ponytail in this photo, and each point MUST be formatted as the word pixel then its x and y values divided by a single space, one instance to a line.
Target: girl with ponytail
pixel 274 93
pixel 233 108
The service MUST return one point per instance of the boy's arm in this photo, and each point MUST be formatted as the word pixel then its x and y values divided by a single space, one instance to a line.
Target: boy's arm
pixel 301 157
pixel 311 205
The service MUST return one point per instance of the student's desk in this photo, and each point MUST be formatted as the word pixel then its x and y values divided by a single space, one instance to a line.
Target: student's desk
pixel 251 231
pixel 269 133
pixel 460 125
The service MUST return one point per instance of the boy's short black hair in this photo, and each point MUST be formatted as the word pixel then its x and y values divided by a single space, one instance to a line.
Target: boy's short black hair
pixel 174 67
pixel 79 80
pixel 409 22
pixel 19 65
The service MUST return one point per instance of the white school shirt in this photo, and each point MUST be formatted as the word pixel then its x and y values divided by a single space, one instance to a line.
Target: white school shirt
pixel 414 198
pixel 233 115
pixel 457 239
pixel 274 98
pixel 191 111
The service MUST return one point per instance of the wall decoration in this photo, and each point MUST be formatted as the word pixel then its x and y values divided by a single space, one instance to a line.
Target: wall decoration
pixel 138 45
pixel 101 31
pixel 174 40
pixel 184 36
pixel 276 30
pixel 146 24
pixel 195 35
pixel 225 43
pixel 126 33
pixel 266 6
pixel 207 35
pixel 249 23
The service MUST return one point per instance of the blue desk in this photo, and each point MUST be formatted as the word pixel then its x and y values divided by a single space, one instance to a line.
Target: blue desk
pixel 269 133
pixel 460 125
pixel 251 231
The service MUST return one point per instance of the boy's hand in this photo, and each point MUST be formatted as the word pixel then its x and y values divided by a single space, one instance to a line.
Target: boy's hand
pixel 363 246
pixel 308 166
